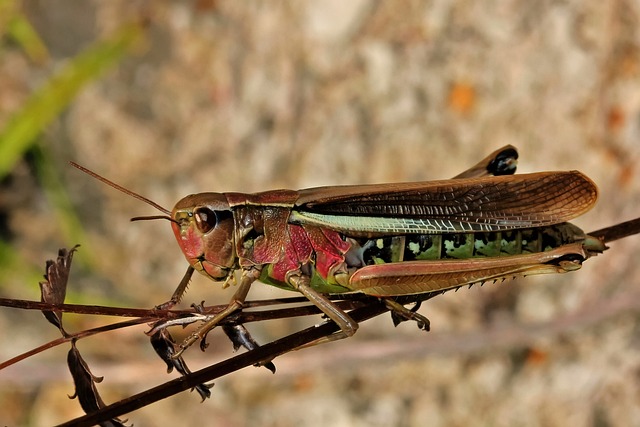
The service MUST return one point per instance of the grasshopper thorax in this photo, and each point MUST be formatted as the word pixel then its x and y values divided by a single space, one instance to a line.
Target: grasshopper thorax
pixel 204 227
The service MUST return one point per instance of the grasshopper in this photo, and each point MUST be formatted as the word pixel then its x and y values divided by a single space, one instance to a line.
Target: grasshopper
pixel 384 240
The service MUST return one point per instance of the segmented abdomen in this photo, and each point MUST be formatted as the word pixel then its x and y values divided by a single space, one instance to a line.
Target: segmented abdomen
pixel 461 245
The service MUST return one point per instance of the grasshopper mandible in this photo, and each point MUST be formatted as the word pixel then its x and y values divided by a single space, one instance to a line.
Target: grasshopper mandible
pixel 384 240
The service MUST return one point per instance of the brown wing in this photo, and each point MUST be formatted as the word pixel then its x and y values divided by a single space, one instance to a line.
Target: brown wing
pixel 474 204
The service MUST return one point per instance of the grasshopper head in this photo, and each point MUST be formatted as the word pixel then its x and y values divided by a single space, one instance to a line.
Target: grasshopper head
pixel 203 225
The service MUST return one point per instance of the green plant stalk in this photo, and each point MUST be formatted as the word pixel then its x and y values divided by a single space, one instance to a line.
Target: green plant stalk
pixel 23 33
pixel 57 93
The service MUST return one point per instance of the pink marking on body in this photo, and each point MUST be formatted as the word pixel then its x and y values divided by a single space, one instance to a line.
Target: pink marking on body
pixel 298 251
pixel 329 249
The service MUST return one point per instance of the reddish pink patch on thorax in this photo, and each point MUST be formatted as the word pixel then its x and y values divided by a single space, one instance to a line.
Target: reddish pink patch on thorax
pixel 304 244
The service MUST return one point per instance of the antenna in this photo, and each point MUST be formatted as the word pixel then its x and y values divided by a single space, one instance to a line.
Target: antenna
pixel 128 192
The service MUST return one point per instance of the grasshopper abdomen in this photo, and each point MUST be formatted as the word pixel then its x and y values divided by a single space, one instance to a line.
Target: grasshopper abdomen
pixel 417 247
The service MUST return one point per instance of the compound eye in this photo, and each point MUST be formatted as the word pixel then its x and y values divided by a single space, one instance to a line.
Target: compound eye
pixel 206 219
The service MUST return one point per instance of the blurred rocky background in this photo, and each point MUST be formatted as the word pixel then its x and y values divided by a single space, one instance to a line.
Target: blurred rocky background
pixel 169 98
